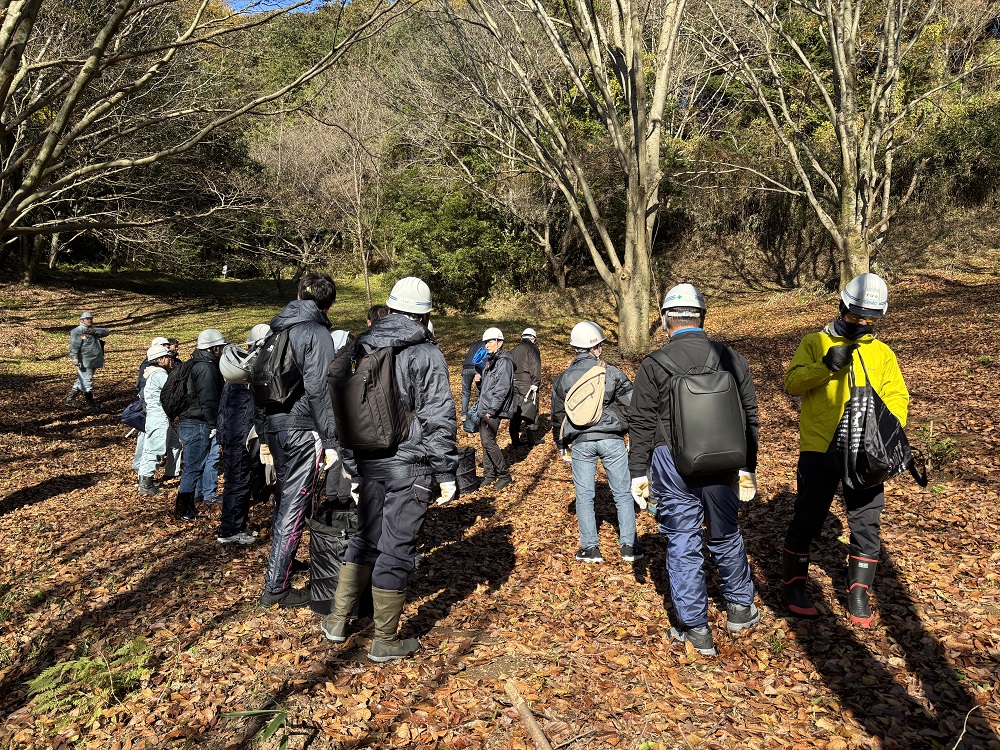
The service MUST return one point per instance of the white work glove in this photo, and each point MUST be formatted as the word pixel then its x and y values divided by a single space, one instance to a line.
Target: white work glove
pixel 265 455
pixel 355 494
pixel 212 434
pixel 640 491
pixel 748 486
pixel 566 454
pixel 329 458
pixel 448 491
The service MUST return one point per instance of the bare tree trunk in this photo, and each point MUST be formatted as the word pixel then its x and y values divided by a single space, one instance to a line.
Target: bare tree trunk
pixel 31 255
pixel 53 249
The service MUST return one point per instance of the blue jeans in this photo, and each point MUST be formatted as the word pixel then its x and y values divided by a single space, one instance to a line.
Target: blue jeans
pixel 681 511
pixel 194 438
pixel 208 488
pixel 467 376
pixel 614 456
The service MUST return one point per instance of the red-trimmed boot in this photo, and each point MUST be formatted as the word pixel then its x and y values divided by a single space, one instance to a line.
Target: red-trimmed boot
pixel 861 576
pixel 794 574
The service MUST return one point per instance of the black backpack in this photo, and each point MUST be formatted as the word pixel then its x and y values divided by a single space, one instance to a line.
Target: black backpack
pixel 275 379
pixel 177 394
pixel 708 426
pixel 367 408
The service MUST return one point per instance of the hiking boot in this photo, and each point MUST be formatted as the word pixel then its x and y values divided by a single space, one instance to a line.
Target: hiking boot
pixel 184 509
pixel 147 486
pixel 352 581
pixel 861 576
pixel 794 574
pixel 388 609
pixel 741 616
pixel 591 554
pixel 632 552
pixel 287 598
pixel 71 396
pixel 240 537
pixel 91 403
pixel 700 637
pixel 502 483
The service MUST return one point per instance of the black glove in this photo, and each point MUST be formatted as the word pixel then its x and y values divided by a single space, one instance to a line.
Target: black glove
pixel 837 357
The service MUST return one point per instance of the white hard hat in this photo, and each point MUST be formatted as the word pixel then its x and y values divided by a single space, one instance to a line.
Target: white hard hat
pixel 209 338
pixel 491 334
pixel 339 339
pixel 159 340
pixel 410 295
pixel 529 332
pixel 258 333
pixel 866 295
pixel 156 351
pixel 234 364
pixel 683 295
pixel 586 335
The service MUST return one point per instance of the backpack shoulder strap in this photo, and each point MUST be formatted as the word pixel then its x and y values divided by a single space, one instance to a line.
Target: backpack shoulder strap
pixel 667 364
pixel 714 360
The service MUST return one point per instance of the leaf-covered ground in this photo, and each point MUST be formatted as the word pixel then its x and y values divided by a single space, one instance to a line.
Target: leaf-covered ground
pixel 89 567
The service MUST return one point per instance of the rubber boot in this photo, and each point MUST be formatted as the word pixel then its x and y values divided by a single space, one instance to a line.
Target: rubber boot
pixel 147 486
pixel 71 396
pixel 91 403
pixel 352 581
pixel 860 576
pixel 184 509
pixel 794 575
pixel 385 645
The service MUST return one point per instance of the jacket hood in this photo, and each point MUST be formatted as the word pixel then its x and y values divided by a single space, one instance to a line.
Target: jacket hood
pixel 203 355
pixel 395 330
pixel 299 311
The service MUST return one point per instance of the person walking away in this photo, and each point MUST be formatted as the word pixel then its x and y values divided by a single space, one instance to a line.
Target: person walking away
pixel 684 501
pixel 86 352
pixel 583 445
pixel 820 373
pixel 496 402
pixel 527 381
pixel 471 371
pixel 157 424
pixel 395 489
pixel 237 417
pixel 301 437
pixel 197 424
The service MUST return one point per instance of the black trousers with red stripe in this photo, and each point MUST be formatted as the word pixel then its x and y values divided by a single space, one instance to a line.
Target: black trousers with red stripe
pixel 817 484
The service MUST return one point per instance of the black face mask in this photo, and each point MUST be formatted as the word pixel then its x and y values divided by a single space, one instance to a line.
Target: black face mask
pixel 852 331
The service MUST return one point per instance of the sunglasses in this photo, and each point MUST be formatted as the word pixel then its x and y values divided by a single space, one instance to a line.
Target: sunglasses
pixel 852 318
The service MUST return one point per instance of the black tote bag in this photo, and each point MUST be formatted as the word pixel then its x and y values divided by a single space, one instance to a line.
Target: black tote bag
pixel 870 445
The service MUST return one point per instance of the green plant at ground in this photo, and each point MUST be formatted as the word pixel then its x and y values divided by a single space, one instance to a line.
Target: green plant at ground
pixel 279 721
pixel 940 449
pixel 89 683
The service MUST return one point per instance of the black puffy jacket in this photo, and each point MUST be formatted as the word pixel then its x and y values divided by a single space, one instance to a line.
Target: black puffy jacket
pixel 496 389
pixel 206 382
pixel 422 381
pixel 312 352
pixel 649 416
pixel 527 367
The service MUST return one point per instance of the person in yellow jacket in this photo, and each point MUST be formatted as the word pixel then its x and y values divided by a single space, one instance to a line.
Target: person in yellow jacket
pixel 819 372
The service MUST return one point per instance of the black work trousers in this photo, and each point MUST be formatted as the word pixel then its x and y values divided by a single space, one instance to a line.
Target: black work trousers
pixel 494 464
pixel 237 465
pixel 390 515
pixel 515 428
pixel 817 482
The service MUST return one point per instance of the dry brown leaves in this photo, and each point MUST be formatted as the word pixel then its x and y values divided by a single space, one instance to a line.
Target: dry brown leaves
pixel 89 565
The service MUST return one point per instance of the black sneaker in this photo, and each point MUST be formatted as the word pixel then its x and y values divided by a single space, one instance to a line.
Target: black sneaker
pixel 502 483
pixel 287 598
pixel 631 553
pixel 591 554
pixel 699 637
pixel 741 616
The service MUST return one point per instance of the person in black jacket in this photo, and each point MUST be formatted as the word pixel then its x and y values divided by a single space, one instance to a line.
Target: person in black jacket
pixel 237 417
pixel 395 489
pixel 604 440
pixel 496 402
pixel 527 381
pixel 196 426
pixel 684 503
pixel 301 438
